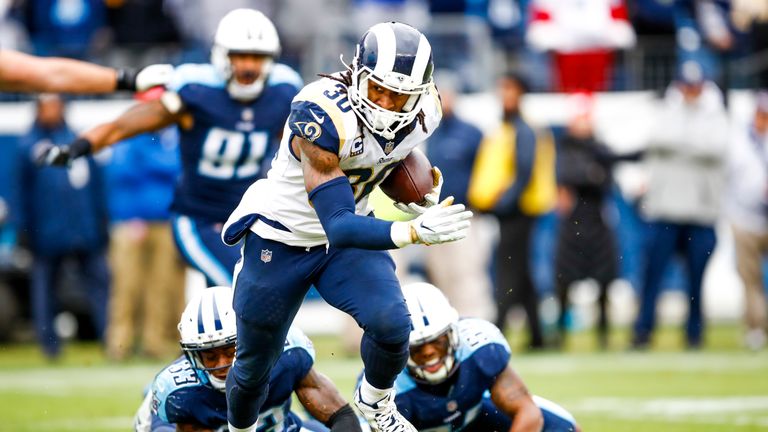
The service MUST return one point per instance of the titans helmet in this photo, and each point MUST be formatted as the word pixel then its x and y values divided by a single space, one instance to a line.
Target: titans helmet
pixel 397 57
pixel 244 31
pixel 208 321
pixel 432 317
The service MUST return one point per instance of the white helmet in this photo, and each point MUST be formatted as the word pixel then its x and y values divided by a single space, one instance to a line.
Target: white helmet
pixel 208 321
pixel 432 317
pixel 245 31
pixel 397 57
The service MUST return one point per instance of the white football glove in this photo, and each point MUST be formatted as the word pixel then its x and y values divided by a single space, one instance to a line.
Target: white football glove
pixel 442 223
pixel 430 199
pixel 153 76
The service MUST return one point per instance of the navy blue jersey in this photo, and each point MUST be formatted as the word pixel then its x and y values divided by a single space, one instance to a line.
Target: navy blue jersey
pixel 463 401
pixel 230 143
pixel 181 394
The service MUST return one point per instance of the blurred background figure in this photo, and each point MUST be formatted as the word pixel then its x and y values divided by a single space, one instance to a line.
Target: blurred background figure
pixel 514 179
pixel 65 220
pixel 686 164
pixel 65 28
pixel 366 13
pixel 582 35
pixel 747 211
pixel 586 244
pixel 197 22
pixel 13 35
pixel 704 35
pixel 148 275
pixel 751 16
pixel 141 32
pixel 460 268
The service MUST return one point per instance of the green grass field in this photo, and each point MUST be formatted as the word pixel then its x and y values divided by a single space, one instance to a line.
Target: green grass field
pixel 722 388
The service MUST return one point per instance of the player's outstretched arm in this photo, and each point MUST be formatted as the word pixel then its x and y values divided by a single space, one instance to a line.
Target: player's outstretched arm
pixel 27 73
pixel 322 399
pixel 21 72
pixel 141 118
pixel 510 395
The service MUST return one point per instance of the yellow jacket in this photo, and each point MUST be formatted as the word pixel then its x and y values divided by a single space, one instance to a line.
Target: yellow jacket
pixel 494 172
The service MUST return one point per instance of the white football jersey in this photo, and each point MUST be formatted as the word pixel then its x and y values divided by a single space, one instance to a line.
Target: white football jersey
pixel 278 208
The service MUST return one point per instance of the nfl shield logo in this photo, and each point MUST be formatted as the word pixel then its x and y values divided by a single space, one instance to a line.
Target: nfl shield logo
pixel 266 255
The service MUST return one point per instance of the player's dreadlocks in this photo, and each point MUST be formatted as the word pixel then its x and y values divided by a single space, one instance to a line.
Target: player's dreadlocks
pixel 346 79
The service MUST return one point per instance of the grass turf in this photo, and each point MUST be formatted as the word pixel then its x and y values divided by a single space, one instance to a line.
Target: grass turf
pixel 721 388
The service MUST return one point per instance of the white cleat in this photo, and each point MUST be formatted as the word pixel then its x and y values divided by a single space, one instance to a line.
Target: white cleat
pixel 382 416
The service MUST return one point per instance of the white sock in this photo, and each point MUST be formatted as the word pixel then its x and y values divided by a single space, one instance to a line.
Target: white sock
pixel 251 428
pixel 370 393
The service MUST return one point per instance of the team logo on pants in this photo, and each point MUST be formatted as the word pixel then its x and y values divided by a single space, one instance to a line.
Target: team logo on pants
pixel 266 255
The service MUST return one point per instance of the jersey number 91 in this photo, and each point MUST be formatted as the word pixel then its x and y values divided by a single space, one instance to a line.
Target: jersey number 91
pixel 223 154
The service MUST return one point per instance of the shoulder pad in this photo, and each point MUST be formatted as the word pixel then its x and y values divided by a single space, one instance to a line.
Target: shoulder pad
pixel 321 113
pixel 476 333
pixel 204 74
pixel 433 109
pixel 283 74
pixel 331 96
pixel 177 375
pixel 404 383
pixel 297 339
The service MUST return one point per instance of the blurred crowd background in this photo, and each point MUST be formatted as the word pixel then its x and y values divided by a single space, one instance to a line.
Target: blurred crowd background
pixel 609 148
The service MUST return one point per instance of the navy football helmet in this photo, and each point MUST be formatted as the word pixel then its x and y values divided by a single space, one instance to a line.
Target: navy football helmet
pixel 397 57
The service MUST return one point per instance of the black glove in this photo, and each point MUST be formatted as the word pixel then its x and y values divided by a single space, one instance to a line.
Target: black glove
pixel 145 78
pixel 50 154
pixel 344 420
pixel 126 79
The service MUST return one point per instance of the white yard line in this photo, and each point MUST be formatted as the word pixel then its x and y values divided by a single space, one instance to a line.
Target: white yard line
pixel 732 410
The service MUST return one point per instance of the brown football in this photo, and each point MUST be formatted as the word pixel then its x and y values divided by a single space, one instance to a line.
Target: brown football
pixel 410 180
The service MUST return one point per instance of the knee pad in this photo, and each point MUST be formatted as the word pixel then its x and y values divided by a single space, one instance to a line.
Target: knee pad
pixel 389 325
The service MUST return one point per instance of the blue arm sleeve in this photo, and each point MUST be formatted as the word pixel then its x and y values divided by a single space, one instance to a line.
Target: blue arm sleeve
pixel 525 151
pixel 335 206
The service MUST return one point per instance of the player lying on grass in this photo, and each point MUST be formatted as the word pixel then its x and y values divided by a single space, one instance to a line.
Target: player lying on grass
pixel 188 394
pixel 459 378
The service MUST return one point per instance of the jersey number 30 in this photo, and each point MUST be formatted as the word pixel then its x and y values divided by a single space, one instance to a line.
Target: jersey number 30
pixel 226 155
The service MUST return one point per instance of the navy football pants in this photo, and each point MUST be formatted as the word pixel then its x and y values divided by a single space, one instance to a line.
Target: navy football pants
pixel 270 284
pixel 199 242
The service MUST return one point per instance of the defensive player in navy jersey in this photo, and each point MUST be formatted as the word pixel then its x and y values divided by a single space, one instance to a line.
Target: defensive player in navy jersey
pixel 458 376
pixel 309 222
pixel 21 72
pixel 230 115
pixel 188 394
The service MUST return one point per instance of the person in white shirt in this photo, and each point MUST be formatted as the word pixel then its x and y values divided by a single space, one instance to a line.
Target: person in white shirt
pixel 686 165
pixel 747 211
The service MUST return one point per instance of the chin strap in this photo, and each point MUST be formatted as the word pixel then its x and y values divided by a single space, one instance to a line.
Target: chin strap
pixel 218 384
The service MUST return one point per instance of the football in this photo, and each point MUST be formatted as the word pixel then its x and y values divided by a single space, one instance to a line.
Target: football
pixel 410 180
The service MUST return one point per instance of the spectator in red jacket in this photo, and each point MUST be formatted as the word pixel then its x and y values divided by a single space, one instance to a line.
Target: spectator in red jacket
pixel 582 37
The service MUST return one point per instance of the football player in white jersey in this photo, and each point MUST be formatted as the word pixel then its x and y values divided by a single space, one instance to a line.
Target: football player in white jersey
pixel 309 223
